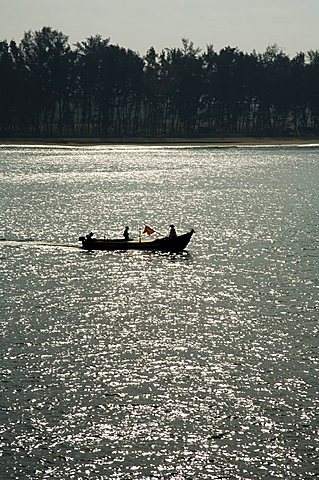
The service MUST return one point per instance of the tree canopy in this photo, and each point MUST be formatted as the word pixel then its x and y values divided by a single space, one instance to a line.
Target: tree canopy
pixel 95 88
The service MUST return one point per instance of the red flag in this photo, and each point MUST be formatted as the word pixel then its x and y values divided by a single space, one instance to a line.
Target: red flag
pixel 148 230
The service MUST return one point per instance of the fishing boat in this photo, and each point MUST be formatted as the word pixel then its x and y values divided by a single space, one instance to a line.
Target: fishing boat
pixel 164 244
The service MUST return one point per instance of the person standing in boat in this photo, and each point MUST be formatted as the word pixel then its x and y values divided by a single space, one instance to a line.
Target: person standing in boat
pixel 126 234
pixel 172 232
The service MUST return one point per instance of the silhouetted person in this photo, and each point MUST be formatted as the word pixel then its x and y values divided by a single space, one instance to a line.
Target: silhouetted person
pixel 126 234
pixel 172 232
pixel 90 236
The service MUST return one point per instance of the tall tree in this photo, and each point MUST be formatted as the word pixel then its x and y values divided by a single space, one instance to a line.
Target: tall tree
pixel 47 60
pixel 312 81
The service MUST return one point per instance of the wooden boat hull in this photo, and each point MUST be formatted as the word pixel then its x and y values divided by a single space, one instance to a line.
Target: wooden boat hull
pixel 166 244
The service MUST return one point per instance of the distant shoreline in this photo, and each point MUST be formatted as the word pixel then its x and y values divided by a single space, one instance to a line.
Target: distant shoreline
pixel 154 141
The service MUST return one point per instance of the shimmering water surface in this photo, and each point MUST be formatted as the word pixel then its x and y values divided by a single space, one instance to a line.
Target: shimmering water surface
pixel 136 365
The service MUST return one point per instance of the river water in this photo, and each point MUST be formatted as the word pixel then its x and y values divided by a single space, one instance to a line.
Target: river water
pixel 137 365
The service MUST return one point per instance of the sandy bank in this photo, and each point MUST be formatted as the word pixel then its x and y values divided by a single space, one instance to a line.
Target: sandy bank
pixel 142 141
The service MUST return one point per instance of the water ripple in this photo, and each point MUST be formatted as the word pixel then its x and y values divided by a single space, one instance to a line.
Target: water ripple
pixel 137 365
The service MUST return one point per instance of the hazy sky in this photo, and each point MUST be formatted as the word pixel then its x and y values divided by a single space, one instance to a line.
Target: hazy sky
pixel 139 24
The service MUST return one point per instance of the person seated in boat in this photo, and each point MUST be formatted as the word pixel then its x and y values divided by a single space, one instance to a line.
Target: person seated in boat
pixel 172 232
pixel 89 236
pixel 126 234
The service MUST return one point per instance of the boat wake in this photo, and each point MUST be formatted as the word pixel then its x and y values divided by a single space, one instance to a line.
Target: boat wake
pixel 16 242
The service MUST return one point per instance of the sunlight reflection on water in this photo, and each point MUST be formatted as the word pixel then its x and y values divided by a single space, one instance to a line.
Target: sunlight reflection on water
pixel 133 365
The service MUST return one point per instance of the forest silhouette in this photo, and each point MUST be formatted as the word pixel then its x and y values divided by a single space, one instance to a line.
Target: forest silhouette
pixel 49 88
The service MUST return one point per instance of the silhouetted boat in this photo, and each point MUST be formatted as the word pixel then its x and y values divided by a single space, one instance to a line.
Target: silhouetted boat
pixel 165 244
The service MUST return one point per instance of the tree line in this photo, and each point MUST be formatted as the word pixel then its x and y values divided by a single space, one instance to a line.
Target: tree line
pixel 97 89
